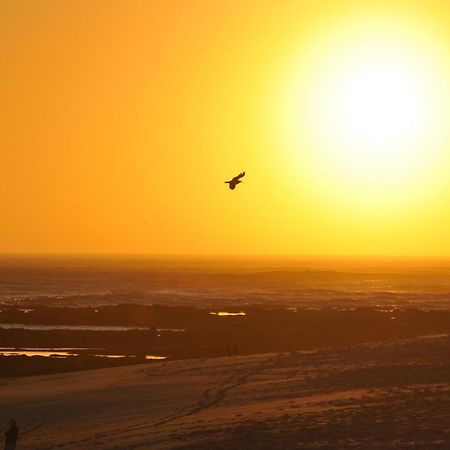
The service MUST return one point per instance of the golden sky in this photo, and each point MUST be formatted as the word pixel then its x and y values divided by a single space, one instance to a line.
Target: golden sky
pixel 121 120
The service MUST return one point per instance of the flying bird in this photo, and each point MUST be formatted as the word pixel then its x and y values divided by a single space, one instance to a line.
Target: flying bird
pixel 234 181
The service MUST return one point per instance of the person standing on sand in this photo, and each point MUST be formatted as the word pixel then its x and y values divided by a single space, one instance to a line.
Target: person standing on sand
pixel 11 435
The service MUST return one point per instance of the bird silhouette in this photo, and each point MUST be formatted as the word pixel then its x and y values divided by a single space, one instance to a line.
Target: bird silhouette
pixel 234 181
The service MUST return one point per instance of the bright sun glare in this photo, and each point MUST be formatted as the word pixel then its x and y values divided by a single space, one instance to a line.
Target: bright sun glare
pixel 377 104
pixel 365 113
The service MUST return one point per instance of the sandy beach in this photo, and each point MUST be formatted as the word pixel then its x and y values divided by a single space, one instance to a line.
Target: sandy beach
pixel 378 395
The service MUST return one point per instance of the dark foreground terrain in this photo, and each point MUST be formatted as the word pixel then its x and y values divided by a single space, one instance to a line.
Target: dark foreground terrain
pixel 368 396
pixel 130 333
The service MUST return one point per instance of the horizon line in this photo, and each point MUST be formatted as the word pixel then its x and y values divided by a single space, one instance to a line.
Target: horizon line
pixel 216 255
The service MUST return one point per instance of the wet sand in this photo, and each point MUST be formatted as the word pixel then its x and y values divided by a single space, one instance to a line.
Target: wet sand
pixel 367 396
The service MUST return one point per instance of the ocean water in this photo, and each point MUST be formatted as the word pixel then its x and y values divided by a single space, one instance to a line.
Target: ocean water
pixel 220 282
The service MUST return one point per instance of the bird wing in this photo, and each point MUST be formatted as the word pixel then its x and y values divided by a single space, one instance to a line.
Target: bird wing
pixel 239 176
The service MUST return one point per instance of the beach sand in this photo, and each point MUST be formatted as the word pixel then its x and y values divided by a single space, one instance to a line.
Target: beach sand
pixel 370 396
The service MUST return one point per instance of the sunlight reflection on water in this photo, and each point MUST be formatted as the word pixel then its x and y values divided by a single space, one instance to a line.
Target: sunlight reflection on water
pixel 225 313
pixel 66 352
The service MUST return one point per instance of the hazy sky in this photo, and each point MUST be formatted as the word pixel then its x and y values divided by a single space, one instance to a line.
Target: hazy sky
pixel 121 120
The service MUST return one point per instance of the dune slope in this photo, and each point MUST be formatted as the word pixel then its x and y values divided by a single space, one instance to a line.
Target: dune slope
pixel 381 395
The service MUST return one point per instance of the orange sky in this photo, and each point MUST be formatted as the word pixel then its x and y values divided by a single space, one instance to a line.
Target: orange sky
pixel 120 120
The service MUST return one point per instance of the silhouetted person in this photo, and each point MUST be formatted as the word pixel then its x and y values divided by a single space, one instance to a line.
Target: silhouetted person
pixel 234 181
pixel 11 435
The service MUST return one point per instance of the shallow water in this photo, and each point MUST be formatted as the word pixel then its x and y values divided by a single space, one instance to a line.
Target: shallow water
pixel 65 352
pixel 48 353
pixel 37 327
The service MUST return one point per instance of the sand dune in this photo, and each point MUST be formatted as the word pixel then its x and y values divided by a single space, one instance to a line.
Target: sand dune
pixel 383 395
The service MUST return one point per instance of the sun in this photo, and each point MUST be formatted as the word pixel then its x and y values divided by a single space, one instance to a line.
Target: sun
pixel 370 119
pixel 377 103
pixel 366 113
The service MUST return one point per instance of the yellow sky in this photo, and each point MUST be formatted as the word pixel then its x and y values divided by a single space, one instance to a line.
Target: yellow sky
pixel 121 120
